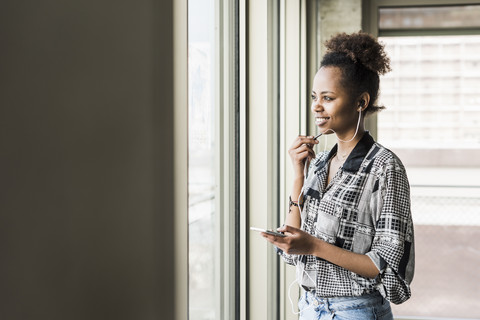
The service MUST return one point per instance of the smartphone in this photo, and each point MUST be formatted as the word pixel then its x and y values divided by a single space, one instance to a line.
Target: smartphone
pixel 273 233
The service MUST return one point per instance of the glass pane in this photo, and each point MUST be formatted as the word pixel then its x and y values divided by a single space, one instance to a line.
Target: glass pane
pixel 446 17
pixel 432 122
pixel 433 100
pixel 201 159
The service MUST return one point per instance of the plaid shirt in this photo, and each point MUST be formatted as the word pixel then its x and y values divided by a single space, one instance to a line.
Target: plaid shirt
pixel 364 209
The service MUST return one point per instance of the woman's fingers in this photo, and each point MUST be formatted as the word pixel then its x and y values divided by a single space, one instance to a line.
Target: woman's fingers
pixel 296 241
pixel 301 140
pixel 287 228
pixel 301 148
pixel 301 153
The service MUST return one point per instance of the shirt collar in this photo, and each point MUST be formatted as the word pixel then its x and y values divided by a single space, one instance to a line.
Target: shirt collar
pixel 358 153
pixel 355 158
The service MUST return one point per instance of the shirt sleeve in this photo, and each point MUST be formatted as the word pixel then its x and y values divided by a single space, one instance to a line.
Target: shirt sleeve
pixel 392 249
pixel 288 258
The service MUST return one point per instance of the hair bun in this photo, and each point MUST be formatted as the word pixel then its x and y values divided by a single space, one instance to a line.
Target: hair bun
pixel 362 48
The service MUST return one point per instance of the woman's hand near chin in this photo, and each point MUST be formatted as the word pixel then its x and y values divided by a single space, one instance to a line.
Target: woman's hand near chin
pixel 301 150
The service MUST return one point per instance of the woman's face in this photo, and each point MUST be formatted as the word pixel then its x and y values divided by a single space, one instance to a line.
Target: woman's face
pixel 332 105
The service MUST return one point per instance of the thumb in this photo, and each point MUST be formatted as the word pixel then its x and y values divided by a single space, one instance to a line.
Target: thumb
pixel 287 228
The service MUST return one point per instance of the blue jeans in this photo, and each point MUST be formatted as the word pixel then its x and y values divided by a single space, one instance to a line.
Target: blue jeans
pixel 372 306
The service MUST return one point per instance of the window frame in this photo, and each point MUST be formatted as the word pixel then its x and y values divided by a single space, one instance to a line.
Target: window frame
pixel 226 154
pixel 178 250
pixel 274 82
pixel 257 100
pixel 226 106
pixel 370 17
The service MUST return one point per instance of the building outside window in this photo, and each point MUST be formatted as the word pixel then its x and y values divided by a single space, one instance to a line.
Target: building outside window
pixel 432 122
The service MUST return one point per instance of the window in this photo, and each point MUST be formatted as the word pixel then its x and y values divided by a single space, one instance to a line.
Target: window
pixel 211 159
pixel 432 122
pixel 201 150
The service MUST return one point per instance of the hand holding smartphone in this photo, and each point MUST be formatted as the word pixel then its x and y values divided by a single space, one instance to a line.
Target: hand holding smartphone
pixel 273 233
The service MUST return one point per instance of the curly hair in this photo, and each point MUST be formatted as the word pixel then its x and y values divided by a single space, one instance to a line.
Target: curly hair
pixel 361 58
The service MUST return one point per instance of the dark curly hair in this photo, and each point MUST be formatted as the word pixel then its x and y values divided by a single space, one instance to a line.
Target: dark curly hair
pixel 361 58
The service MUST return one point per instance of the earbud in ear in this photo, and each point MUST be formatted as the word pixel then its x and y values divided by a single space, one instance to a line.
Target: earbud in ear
pixel 361 105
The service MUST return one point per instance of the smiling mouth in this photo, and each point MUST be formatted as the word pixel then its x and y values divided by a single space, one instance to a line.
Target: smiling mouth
pixel 321 120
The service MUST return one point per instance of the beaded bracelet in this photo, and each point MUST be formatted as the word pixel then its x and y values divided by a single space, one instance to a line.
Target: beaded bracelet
pixel 291 202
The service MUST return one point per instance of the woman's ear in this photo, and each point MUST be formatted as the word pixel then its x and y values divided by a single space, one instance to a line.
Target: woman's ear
pixel 363 101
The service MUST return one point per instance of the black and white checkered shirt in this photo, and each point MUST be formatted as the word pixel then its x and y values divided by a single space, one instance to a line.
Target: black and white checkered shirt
pixel 364 209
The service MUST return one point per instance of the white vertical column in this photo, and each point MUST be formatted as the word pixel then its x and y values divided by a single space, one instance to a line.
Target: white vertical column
pixel 180 143
pixel 290 127
pixel 260 190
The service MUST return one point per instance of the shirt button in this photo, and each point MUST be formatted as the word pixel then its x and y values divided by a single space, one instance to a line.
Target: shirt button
pixel 315 303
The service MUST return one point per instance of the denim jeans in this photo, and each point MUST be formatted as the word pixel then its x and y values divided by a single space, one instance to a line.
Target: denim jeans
pixel 372 306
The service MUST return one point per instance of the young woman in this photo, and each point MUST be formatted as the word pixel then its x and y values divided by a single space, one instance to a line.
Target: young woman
pixel 349 228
